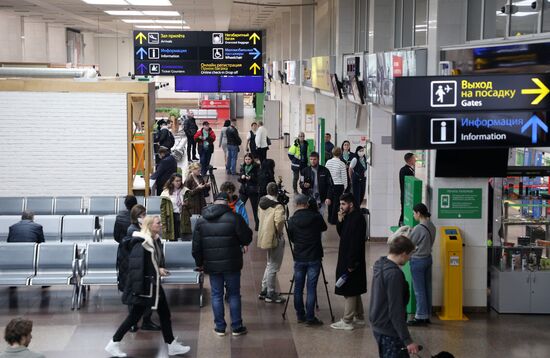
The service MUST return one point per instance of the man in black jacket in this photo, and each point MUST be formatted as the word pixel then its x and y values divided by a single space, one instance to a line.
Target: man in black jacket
pixel 190 128
pixel 317 182
pixel 26 230
pixel 388 303
pixel 233 143
pixel 219 241
pixel 406 170
pixel 304 231
pixel 167 166
pixel 123 221
pixel 352 229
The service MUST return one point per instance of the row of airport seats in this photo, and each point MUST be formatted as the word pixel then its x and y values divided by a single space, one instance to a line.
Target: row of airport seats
pixel 83 265
pixel 73 205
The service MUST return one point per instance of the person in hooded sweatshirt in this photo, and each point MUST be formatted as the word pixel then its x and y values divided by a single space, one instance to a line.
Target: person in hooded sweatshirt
pixel 388 303
pixel 143 288
pixel 271 238
pixel 219 241
pixel 304 231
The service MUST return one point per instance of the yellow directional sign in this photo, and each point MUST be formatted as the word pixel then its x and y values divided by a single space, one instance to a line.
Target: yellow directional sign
pixel 542 91
pixel 254 67
pixel 254 37
pixel 140 37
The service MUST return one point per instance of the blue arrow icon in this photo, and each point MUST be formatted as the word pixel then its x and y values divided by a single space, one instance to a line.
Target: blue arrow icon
pixel 141 68
pixel 534 122
pixel 141 52
pixel 255 53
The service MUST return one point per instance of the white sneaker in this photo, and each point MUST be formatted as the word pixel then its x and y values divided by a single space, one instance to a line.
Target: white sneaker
pixel 359 322
pixel 176 348
pixel 113 348
pixel 342 325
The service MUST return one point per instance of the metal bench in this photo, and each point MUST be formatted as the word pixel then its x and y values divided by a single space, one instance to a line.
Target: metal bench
pixel 78 228
pixel 102 205
pixel 98 267
pixel 181 264
pixel 108 227
pixel 68 205
pixel 5 222
pixel 153 205
pixel 51 226
pixel 12 205
pixel 121 207
pixel 40 205
pixel 17 263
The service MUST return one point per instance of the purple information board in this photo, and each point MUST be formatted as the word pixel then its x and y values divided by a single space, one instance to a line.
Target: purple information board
pixel 242 84
pixel 197 84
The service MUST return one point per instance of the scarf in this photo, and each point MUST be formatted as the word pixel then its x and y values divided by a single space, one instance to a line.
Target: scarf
pixel 248 168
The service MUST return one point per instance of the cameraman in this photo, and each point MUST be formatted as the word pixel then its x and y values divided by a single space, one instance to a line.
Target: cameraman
pixel 304 231
pixel 270 237
pixel 317 182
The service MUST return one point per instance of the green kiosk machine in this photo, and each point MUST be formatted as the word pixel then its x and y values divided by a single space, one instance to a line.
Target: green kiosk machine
pixel 413 196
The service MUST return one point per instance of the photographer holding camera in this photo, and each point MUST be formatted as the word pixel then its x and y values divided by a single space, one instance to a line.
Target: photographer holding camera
pixel 317 182
pixel 271 238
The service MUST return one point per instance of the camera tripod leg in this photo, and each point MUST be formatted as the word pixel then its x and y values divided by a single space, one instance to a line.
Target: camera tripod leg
pixel 326 289
pixel 288 297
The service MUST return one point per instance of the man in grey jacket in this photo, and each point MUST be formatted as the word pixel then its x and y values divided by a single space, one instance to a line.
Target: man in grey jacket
pixel 389 297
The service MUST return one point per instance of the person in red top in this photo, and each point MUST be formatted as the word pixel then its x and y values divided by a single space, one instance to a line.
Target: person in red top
pixel 205 138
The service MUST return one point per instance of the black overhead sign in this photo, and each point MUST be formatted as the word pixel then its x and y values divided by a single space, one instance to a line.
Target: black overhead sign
pixel 170 53
pixel 455 94
pixel 470 130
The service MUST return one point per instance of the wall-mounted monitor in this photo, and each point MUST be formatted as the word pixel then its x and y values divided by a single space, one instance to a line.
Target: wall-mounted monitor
pixel 199 84
pixel 357 91
pixel 242 84
pixel 336 86
pixel 471 163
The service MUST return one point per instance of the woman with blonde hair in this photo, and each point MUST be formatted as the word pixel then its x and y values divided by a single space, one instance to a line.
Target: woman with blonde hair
pixel 143 288
pixel 174 212
pixel 198 189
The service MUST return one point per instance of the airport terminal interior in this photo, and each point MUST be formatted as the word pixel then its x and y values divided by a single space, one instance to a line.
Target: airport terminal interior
pixel 416 130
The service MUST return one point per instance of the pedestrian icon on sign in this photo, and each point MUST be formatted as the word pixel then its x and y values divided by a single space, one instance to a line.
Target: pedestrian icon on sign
pixel 443 94
pixel 443 131
pixel 217 53
pixel 217 38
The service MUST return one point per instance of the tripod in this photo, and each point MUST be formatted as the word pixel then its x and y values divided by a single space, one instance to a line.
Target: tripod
pixel 292 279
pixel 212 179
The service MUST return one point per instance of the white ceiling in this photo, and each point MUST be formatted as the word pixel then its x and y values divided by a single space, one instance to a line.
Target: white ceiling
pixel 198 14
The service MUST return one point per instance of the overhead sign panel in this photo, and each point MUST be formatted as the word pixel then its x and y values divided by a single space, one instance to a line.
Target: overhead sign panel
pixel 457 94
pixel 471 130
pixel 231 53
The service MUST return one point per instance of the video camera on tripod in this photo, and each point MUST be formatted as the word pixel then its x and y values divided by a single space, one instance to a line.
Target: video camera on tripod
pixel 282 196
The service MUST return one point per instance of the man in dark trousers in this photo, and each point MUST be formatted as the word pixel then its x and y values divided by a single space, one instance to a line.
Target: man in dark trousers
pixel 233 143
pixel 123 220
pixel 351 266
pixel 165 137
pixel 219 241
pixel 317 182
pixel 167 166
pixel 205 138
pixel 388 302
pixel 406 170
pixel 190 128
pixel 26 230
pixel 304 231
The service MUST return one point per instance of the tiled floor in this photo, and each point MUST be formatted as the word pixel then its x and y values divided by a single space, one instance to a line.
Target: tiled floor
pixel 60 332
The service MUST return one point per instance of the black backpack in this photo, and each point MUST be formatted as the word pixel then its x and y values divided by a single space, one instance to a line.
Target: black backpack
pixel 171 140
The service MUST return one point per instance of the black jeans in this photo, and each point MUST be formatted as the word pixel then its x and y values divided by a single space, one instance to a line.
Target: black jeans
pixel 334 207
pixel 359 187
pixel 177 223
pixel 147 315
pixel 295 178
pixel 390 347
pixel 136 313
pixel 262 154
pixel 254 199
pixel 191 148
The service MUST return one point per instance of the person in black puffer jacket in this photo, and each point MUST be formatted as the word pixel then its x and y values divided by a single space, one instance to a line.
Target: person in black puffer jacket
pixel 123 219
pixel 143 289
pixel 219 240
pixel 249 185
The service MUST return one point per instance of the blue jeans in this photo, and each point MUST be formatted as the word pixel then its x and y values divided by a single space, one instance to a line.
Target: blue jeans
pixel 232 154
pixel 205 156
pixel 231 280
pixel 301 269
pixel 421 270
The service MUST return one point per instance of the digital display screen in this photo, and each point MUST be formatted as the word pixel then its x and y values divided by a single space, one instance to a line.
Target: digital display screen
pixel 197 84
pixel 242 84
pixel 451 232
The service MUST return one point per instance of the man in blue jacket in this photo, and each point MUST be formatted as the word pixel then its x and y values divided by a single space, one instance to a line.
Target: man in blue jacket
pixel 26 230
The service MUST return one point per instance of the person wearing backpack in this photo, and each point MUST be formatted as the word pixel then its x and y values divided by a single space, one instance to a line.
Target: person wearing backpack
pixel 233 143
pixel 137 214
pixel 190 128
pixel 423 237
pixel 251 140
pixel 166 138
pixel 271 216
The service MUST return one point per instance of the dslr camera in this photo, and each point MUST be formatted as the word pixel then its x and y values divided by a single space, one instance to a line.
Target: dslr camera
pixel 282 196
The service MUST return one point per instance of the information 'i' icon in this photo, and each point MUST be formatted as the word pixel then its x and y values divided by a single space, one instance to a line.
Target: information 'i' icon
pixel 443 131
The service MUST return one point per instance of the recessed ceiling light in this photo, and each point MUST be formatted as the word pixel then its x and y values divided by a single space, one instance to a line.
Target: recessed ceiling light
pixel 105 2
pixel 124 13
pixel 150 2
pixel 170 22
pixel 149 27
pixel 176 27
pixel 138 21
pixel 161 13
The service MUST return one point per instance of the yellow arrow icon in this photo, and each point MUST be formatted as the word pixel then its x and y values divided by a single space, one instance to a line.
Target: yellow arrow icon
pixel 254 67
pixel 140 37
pixel 254 37
pixel 542 91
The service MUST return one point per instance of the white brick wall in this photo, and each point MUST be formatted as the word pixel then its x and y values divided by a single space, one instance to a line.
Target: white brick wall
pixel 63 144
